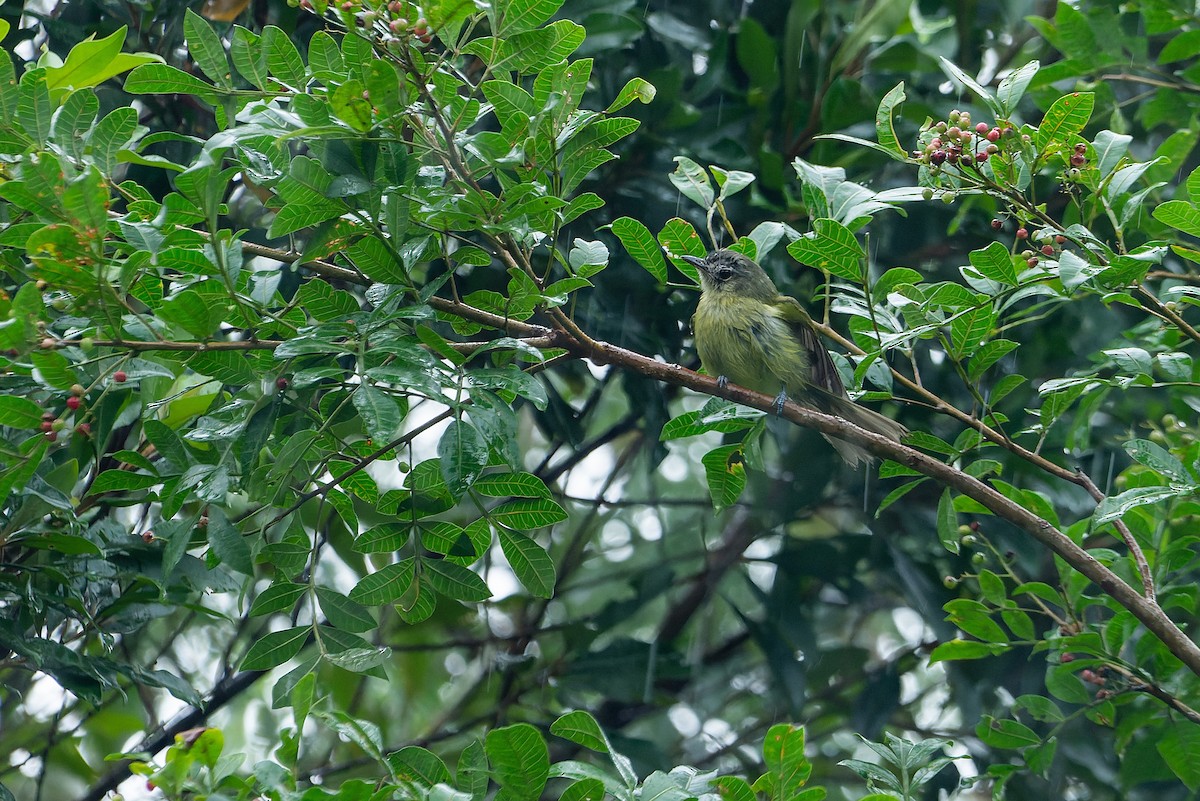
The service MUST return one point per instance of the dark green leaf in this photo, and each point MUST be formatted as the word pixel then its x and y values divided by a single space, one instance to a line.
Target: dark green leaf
pixel 275 648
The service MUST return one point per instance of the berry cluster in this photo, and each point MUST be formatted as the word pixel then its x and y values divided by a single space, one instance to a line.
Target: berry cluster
pixel 52 424
pixel 1078 160
pixel 955 141
pixel 392 18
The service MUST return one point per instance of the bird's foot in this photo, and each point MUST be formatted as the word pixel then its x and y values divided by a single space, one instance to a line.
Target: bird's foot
pixel 780 400
pixel 722 382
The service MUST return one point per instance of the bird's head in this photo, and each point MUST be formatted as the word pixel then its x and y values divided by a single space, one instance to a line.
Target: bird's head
pixel 727 271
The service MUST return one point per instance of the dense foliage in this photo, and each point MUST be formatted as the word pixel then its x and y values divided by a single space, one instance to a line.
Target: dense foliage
pixel 349 431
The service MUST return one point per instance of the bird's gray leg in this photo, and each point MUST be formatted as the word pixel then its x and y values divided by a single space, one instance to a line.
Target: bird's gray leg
pixel 780 400
pixel 722 382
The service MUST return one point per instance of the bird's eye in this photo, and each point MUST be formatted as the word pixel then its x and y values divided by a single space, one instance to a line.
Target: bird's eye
pixel 724 273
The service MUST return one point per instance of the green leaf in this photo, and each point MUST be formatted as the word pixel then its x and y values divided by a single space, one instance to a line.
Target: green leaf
pixel 325 59
pixel 885 129
pixel 679 238
pixel 584 790
pixel 228 543
pixel 420 765
pixel 528 513
pixel 1065 119
pixel 640 244
pixel 1012 88
pixel 381 414
pixel 973 617
pixel 462 454
pixel 987 355
pixel 472 773
pixel 93 61
pixel 1179 214
pixel 342 613
pixel 34 107
pixel 635 89
pixel 529 561
pixel 787 767
pixel 947 522
pixel 279 597
pixel 1178 747
pixel 1159 459
pixel 350 106
pixel 995 262
pixel 246 52
pixel 206 49
pixel 387 585
pixel 456 581
pixel 582 729
pixel 966 80
pixel 511 485
pixel 734 788
pixel 272 650
pixel 120 480
pixel 1005 733
pixel 19 412
pixel 959 650
pixel 283 59
pixel 1115 506
pixel 520 761
pixel 693 182
pixel 163 79
pixel 725 471
pixel 830 247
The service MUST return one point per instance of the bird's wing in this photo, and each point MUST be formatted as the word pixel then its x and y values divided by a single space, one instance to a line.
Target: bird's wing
pixel 824 375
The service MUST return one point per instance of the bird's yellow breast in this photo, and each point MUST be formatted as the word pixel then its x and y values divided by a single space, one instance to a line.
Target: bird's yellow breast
pixel 745 341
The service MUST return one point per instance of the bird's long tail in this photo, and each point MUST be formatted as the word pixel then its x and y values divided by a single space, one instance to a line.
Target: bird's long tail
pixel 863 418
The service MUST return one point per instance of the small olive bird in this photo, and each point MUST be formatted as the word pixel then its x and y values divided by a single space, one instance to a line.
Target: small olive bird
pixel 748 333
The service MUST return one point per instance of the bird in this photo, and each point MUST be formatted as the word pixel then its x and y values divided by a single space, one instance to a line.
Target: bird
pixel 748 333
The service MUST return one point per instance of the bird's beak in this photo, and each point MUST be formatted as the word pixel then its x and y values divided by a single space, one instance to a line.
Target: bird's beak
pixel 697 262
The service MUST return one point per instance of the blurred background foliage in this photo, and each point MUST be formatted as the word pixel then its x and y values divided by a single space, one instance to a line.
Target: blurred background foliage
pixel 689 634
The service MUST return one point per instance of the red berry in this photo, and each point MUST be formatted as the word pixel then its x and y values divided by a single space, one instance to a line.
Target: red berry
pixel 1060 239
pixel 84 428
pixel 993 135
pixel 981 128
pixel 997 225
pixel 937 158
pixel 120 376
pixel 1077 160
pixel 148 536
pixel 282 383
pixel 47 425
pixel 1032 262
pixel 1080 148
pixel 1022 233
pixel 981 156
pixel 51 436
pixel 1067 658
pixel 73 403
pixel 1048 250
